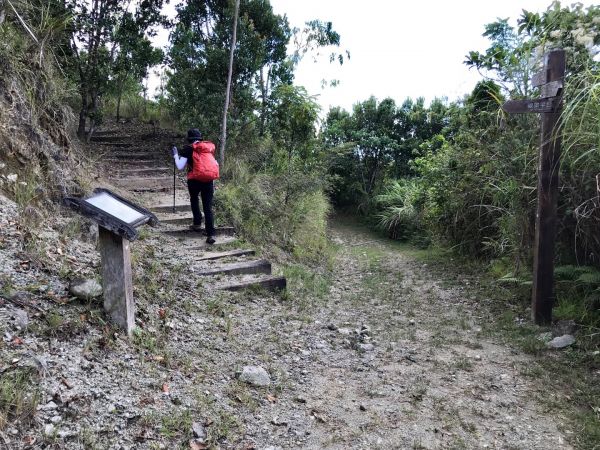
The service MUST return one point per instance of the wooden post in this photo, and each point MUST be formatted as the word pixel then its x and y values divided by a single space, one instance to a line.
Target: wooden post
pixel 545 225
pixel 116 279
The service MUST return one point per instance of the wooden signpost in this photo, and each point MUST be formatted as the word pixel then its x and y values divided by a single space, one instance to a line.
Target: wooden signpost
pixel 550 80
pixel 117 221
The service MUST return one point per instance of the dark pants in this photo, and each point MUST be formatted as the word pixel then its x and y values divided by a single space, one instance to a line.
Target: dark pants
pixel 205 190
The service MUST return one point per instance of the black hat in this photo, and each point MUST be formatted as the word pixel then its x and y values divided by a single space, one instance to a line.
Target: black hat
pixel 193 135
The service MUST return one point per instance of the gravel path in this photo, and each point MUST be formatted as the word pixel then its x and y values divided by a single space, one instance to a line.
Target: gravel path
pixel 379 354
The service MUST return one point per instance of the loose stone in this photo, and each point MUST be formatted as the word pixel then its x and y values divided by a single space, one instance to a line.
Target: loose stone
pixel 255 375
pixel 561 341
pixel 86 289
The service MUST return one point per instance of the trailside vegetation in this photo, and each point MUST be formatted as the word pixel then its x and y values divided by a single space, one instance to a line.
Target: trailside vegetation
pixel 464 174
pixel 274 192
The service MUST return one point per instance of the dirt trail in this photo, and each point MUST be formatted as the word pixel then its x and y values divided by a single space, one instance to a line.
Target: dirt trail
pixel 421 374
pixel 391 359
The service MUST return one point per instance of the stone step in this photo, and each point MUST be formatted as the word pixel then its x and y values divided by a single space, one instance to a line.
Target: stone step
pixel 202 245
pixel 175 220
pixel 183 220
pixel 271 283
pixel 187 233
pixel 147 189
pixel 106 133
pixel 183 252
pixel 229 254
pixel 243 268
pixel 135 156
pixel 141 172
pixel 132 163
pixel 143 183
pixel 182 207
pixel 156 180
pixel 118 144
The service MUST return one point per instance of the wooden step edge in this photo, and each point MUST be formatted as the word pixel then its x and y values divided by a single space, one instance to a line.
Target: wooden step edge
pixel 221 255
pixel 106 133
pixel 187 220
pixel 245 268
pixel 272 283
pixel 176 220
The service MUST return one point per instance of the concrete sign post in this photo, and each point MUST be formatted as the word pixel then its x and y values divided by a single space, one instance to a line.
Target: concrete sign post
pixel 117 220
pixel 117 281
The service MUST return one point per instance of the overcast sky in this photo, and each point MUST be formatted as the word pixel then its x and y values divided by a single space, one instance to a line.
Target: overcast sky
pixel 398 48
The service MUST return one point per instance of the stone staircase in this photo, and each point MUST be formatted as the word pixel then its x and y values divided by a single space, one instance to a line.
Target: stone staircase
pixel 136 165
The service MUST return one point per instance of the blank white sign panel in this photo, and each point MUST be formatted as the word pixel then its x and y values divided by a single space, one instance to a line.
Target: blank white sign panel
pixel 115 208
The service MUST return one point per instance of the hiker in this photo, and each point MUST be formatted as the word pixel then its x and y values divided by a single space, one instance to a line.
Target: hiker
pixel 202 169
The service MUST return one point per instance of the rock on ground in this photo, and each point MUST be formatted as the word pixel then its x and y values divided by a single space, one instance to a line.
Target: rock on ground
pixel 561 341
pixel 255 375
pixel 86 289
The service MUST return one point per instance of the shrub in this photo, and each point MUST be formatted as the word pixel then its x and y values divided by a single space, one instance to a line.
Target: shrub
pixel 276 211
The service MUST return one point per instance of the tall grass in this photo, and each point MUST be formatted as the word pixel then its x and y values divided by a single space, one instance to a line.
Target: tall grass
pixel 260 206
pixel 580 163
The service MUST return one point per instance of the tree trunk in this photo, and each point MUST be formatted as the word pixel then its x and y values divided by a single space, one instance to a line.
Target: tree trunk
pixel 93 117
pixel 83 113
pixel 264 93
pixel 228 91
pixel 2 12
pixel 119 106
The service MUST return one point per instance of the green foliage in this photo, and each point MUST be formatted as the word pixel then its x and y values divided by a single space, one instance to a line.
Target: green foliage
pixel 515 54
pixel 399 205
pixel 578 294
pixel 306 287
pixel 108 41
pixel 276 212
pixel 464 175
pixel 376 141
pixel 135 52
pixel 508 57
pixel 275 185
pixel 316 34
pixel 199 61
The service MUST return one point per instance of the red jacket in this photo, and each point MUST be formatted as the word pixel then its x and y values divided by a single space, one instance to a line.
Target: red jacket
pixel 205 167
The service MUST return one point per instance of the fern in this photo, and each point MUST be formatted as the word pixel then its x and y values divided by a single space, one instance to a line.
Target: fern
pixel 574 273
pixel 591 277
pixel 568 272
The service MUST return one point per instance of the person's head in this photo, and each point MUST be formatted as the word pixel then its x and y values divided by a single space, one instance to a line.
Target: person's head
pixel 194 135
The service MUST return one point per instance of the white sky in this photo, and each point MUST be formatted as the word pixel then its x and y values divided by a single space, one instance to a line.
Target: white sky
pixel 398 48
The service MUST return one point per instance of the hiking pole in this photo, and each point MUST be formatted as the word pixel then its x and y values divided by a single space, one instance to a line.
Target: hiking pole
pixel 174 176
